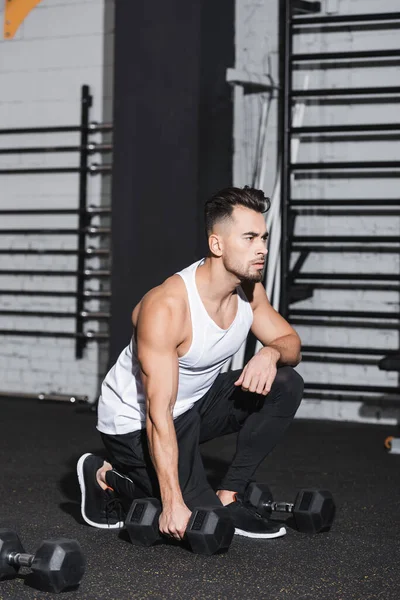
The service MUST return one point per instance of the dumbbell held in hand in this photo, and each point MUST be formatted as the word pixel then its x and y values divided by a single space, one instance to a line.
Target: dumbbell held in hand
pixel 209 530
pixel 56 566
pixel 313 510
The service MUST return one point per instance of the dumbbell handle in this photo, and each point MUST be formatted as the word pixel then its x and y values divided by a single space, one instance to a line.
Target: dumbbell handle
pixel 279 506
pixel 20 559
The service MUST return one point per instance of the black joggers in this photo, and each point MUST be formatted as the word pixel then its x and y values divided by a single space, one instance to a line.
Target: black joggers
pixel 260 421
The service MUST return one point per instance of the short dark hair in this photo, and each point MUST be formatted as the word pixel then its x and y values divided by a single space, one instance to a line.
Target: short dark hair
pixel 221 205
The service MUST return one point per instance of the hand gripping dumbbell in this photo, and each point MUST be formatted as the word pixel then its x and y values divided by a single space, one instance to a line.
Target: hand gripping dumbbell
pixel 313 510
pixel 56 566
pixel 209 530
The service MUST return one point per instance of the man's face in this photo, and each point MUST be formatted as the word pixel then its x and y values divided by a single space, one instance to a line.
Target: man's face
pixel 243 243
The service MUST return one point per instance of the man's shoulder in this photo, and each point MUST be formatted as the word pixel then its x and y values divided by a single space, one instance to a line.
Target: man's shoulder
pixel 171 293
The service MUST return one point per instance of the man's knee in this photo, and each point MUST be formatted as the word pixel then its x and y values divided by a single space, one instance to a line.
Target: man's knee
pixel 288 390
pixel 290 379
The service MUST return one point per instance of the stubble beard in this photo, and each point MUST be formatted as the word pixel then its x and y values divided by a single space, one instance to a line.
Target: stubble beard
pixel 250 276
pixel 253 277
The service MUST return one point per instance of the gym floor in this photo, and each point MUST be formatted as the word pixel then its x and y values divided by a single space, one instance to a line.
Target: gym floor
pixel 358 559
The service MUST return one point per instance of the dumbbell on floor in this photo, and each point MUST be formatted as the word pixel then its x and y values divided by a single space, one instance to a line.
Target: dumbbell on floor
pixel 209 530
pixel 56 566
pixel 313 510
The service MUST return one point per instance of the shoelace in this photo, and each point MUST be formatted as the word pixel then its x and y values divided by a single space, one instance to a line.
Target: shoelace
pixel 114 510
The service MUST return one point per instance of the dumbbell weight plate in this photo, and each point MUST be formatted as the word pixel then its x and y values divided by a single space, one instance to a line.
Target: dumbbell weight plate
pixel 9 542
pixel 58 565
pixel 142 522
pixel 209 531
pixel 259 495
pixel 314 511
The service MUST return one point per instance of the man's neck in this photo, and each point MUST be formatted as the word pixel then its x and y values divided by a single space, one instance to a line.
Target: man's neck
pixel 214 282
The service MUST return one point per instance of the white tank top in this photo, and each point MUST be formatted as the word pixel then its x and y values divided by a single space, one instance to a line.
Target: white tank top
pixel 122 403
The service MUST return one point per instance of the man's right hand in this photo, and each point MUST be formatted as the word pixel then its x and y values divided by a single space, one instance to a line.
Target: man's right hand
pixel 174 519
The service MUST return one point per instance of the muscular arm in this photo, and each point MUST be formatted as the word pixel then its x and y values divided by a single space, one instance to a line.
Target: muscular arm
pixel 159 330
pixel 273 331
pixel 287 349
pixel 281 344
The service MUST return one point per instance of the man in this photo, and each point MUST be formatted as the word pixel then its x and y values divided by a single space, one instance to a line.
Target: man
pixel 166 393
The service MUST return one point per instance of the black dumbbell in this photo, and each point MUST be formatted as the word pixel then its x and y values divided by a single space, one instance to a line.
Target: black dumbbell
pixel 209 530
pixel 56 566
pixel 313 510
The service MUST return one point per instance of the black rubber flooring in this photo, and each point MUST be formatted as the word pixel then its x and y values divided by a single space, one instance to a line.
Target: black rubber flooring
pixel 357 559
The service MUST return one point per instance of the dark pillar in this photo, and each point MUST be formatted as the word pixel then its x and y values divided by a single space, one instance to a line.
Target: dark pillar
pixel 215 104
pixel 172 141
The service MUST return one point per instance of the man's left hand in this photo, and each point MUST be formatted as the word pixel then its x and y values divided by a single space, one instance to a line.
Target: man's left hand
pixel 260 372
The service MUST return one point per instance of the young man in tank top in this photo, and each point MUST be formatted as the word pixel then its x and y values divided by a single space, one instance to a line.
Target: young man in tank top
pixel 166 393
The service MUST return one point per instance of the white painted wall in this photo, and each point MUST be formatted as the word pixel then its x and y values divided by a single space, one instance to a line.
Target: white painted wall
pixel 256 48
pixel 61 45
pixel 256 51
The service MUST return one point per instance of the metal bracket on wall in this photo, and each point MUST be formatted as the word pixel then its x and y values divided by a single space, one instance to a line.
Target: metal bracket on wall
pixel 304 7
pixel 252 83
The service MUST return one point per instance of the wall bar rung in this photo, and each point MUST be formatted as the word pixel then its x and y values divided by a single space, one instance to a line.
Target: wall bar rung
pixel 357 212
pixel 54 211
pixel 372 164
pixel 354 202
pixel 72 398
pixel 87 230
pixel 88 294
pixel 341 360
pixel 360 18
pixel 372 287
pixel 60 334
pixel 92 170
pixel 48 273
pixel 345 55
pixel 380 389
pixel 345 128
pixel 55 314
pixel 389 90
pixel 370 400
pixel 38 171
pixel 347 249
pixel 351 276
pixel 93 127
pixel 359 314
pixel 347 324
pixel 54 252
pixel 346 174
pixel 57 149
pixel 320 350
pixel 346 239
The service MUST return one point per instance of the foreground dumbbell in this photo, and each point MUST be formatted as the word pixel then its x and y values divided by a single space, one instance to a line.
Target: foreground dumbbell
pixel 209 530
pixel 56 566
pixel 313 510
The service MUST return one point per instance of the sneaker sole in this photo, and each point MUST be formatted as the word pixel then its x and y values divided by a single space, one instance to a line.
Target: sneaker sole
pixel 265 536
pixel 79 470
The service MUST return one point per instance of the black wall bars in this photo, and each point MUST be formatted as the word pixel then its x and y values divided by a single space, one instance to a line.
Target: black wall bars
pixel 297 284
pixel 84 232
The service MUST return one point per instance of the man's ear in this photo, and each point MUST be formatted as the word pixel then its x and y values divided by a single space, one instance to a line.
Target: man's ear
pixel 215 244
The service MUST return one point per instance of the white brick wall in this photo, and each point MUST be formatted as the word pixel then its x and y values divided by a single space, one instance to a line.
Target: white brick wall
pixel 60 46
pixel 256 43
pixel 256 50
